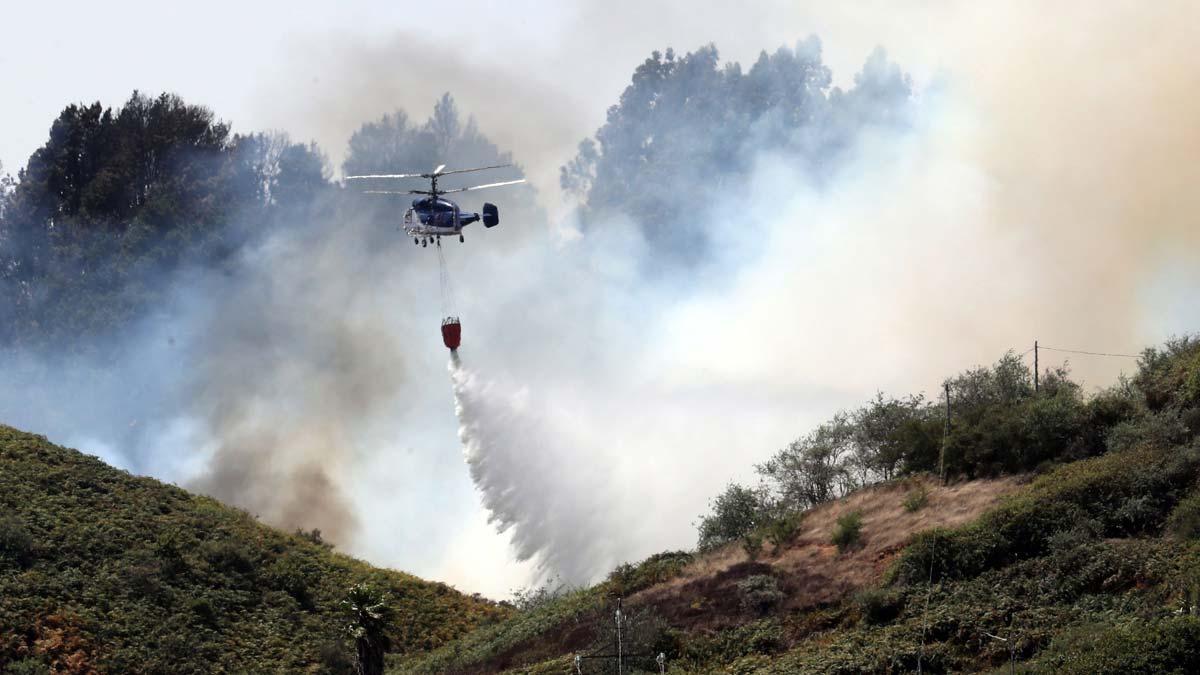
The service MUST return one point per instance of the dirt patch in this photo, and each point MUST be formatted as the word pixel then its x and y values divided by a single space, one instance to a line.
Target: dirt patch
pixel 810 569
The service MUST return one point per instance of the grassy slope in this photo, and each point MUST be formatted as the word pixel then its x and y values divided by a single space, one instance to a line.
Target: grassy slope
pixel 696 595
pixel 1094 567
pixel 107 571
pixel 1064 566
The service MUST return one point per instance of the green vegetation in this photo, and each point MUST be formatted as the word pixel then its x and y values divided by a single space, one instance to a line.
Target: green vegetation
pixel 916 499
pixel 760 593
pixel 121 205
pixel 369 620
pixel 1093 566
pixel 100 569
pixel 735 512
pixel 1121 494
pixel 848 531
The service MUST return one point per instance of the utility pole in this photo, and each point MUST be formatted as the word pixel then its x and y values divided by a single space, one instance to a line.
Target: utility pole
pixel 1035 367
pixel 620 650
pixel 945 435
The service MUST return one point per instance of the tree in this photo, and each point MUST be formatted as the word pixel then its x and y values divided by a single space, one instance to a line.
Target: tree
pixel 118 199
pixel 369 621
pixel 813 469
pixel 687 131
pixel 883 435
pixel 735 512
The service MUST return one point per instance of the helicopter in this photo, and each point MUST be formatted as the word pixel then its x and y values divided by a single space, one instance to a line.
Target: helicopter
pixel 431 217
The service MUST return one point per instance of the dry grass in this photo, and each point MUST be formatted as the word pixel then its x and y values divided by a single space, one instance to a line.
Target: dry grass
pixel 810 568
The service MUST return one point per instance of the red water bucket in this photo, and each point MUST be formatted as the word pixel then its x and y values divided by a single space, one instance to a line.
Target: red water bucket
pixel 451 332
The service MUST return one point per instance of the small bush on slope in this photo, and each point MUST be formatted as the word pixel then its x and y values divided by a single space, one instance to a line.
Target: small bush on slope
pixel 916 499
pixel 848 531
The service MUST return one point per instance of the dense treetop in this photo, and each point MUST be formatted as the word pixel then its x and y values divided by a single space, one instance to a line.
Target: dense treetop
pixel 687 131
pixel 116 198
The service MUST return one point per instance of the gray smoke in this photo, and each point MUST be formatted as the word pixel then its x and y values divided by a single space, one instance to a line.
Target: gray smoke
pixel 1046 191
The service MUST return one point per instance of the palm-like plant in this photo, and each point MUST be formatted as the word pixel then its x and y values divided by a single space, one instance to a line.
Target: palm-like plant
pixel 369 619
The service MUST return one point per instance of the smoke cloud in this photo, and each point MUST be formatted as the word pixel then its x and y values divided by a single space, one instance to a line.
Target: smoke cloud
pixel 1045 190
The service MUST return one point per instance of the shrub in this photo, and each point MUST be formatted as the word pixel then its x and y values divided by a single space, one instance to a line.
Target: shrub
pixel 628 578
pixel 1125 493
pixel 760 593
pixel 764 636
pixel 1170 375
pixel 916 499
pixel 1156 646
pixel 295 575
pixel 16 543
pixel 27 666
pixel 230 558
pixel 735 512
pixel 1184 521
pixel 848 530
pixel 1159 430
pixel 204 611
pixel 782 530
pixel 879 606
pixel 533 597
pixel 752 544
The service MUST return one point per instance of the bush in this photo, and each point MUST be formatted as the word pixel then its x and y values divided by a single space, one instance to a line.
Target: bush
pixel 295 575
pixel 879 606
pixel 204 611
pixel 1158 430
pixel 752 544
pixel 16 543
pixel 760 593
pixel 848 530
pixel 1184 521
pixel 782 530
pixel 735 512
pixel 1170 376
pixel 1156 646
pixel 916 499
pixel 1124 493
pixel 27 666
pixel 230 558
pixel 533 597
pixel 629 578
pixel 761 637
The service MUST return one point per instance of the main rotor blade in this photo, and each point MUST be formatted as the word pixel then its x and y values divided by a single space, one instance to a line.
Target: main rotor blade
pixel 438 170
pixel 482 168
pixel 395 192
pixel 389 175
pixel 480 187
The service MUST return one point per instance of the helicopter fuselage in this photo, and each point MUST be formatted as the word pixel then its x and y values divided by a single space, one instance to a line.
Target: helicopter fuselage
pixel 436 217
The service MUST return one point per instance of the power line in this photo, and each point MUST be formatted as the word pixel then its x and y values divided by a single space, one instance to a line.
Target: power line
pixel 1080 351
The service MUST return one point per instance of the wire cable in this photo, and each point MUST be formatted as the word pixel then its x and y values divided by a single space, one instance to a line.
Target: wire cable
pixel 1080 351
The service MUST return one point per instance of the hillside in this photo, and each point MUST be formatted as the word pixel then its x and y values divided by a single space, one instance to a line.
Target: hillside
pixel 697 595
pixel 102 571
pixel 1081 555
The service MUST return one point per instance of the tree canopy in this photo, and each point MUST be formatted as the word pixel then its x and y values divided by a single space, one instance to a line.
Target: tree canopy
pixel 687 131
pixel 117 197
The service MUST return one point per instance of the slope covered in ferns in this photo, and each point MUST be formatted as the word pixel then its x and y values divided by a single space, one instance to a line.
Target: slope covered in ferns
pixel 102 571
